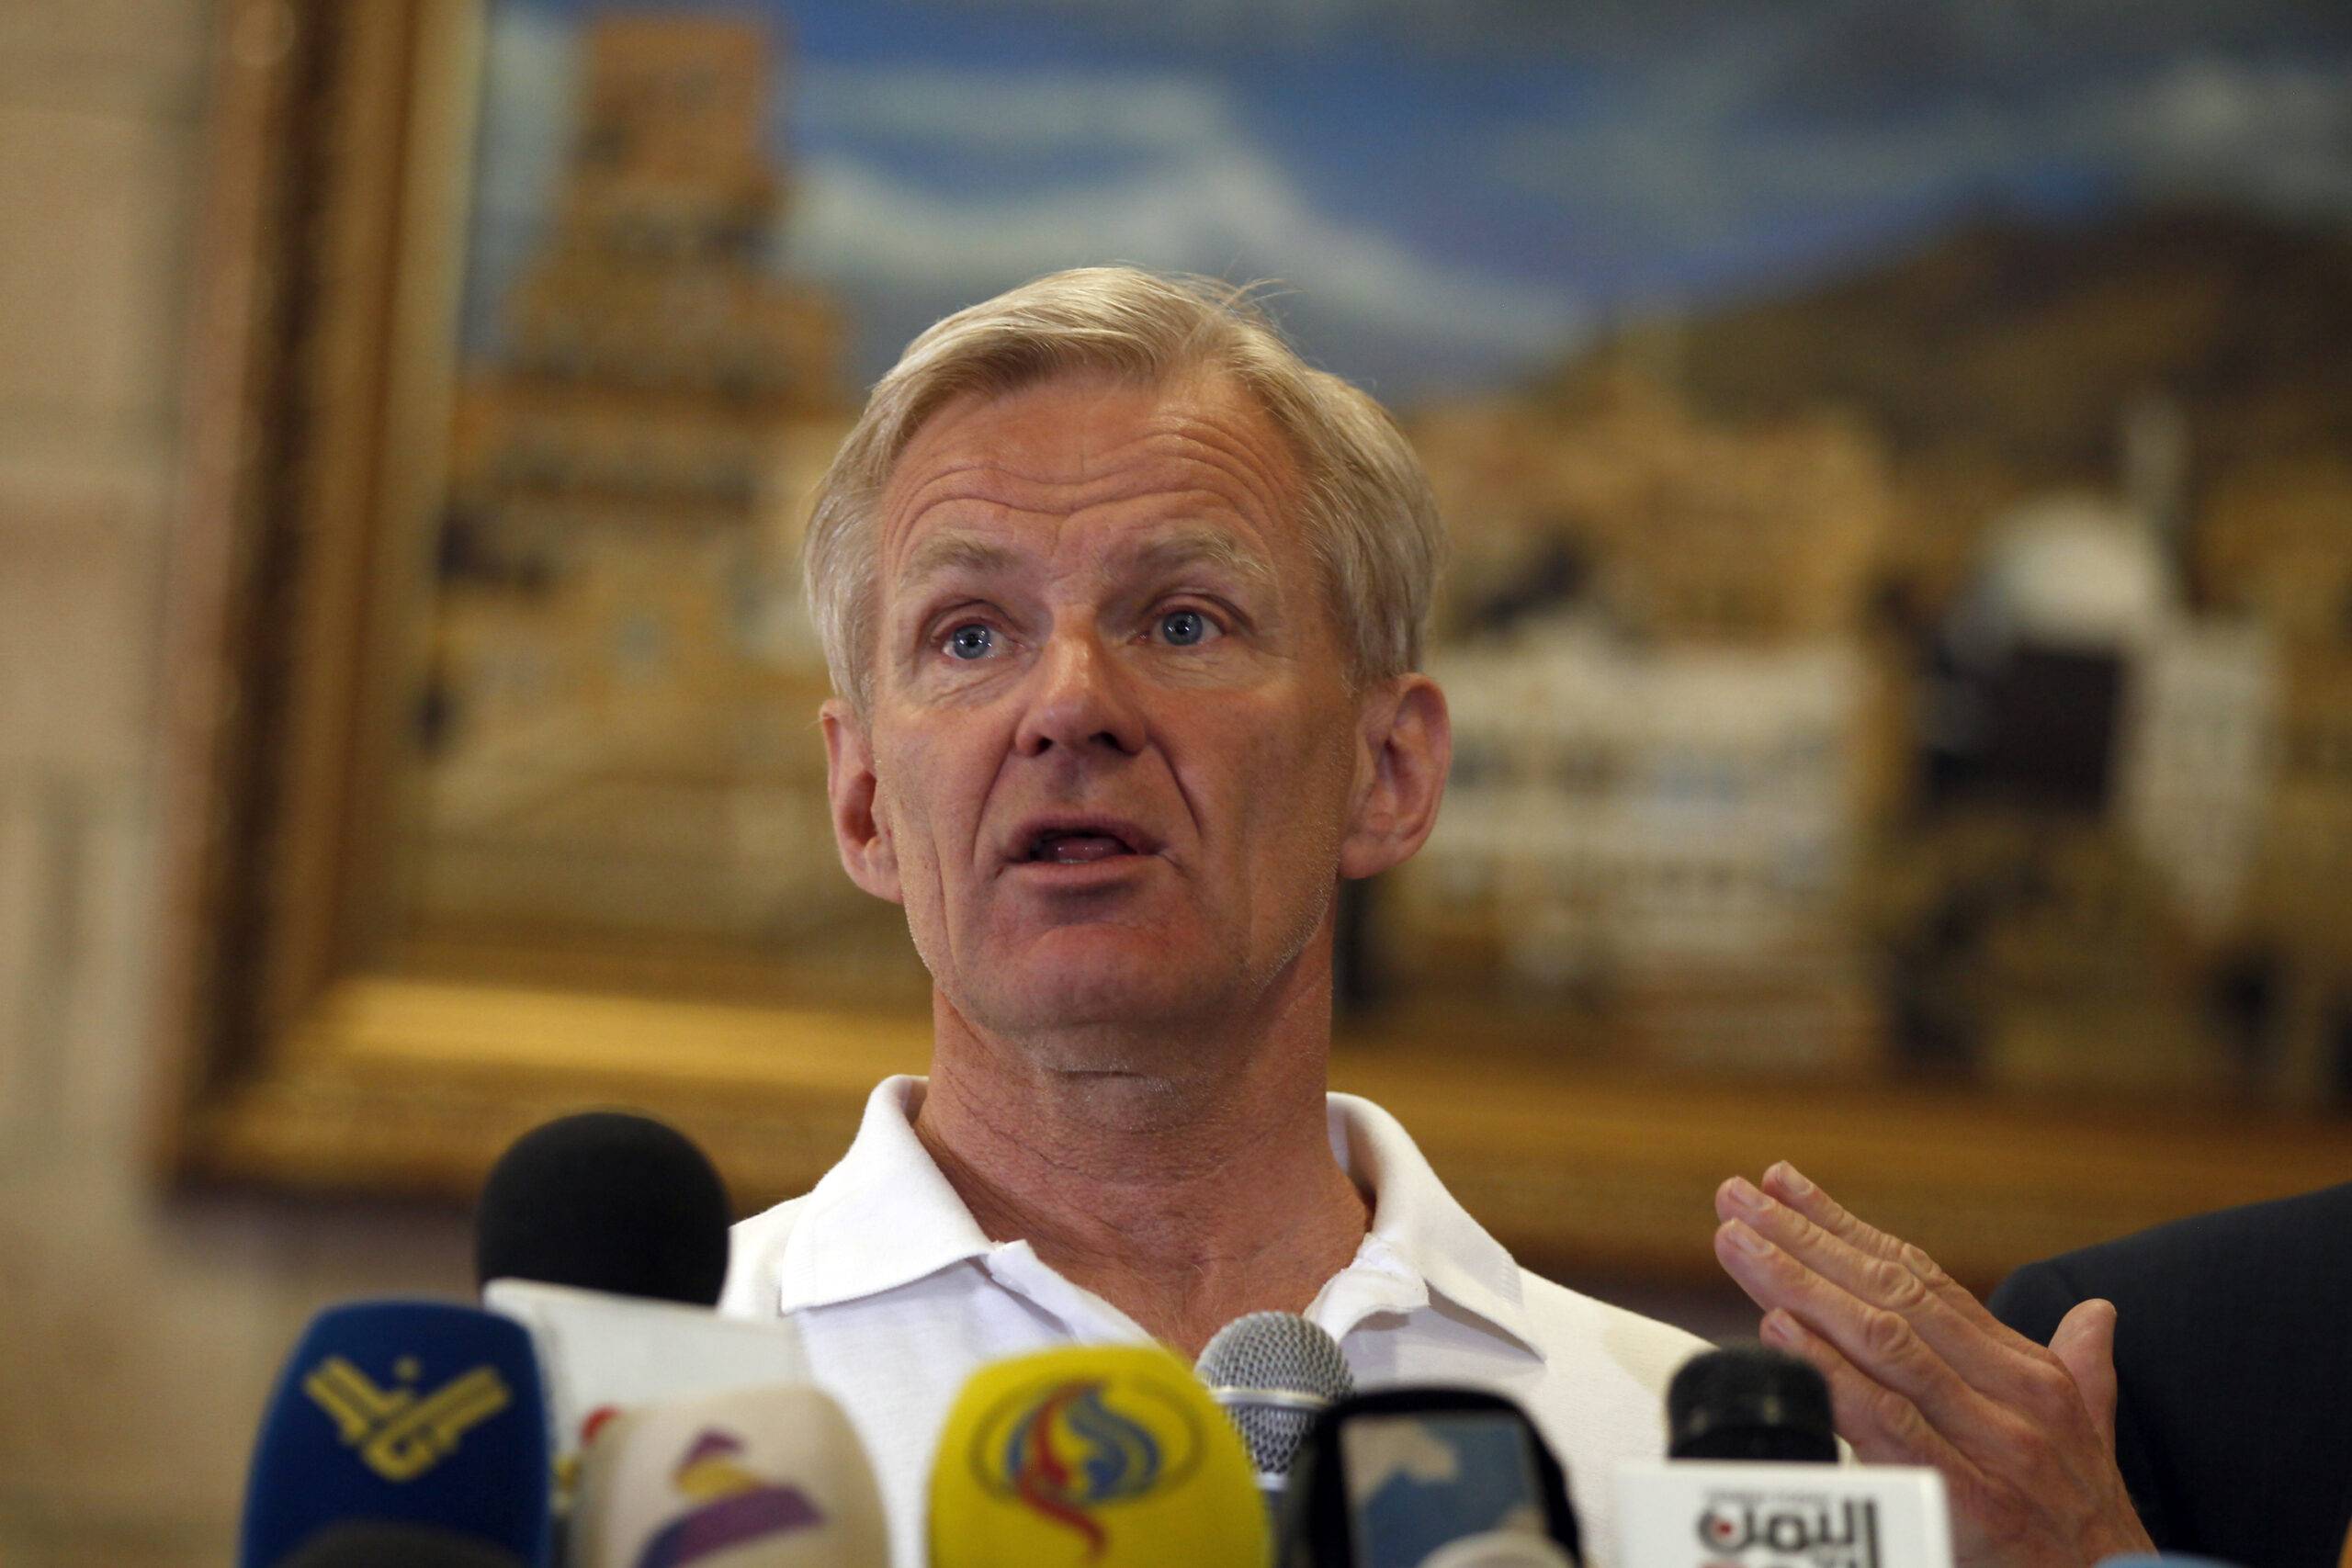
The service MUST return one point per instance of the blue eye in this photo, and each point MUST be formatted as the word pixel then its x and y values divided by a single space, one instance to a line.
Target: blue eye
pixel 1184 628
pixel 971 640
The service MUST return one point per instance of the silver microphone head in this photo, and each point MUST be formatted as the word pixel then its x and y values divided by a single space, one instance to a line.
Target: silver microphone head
pixel 1274 1372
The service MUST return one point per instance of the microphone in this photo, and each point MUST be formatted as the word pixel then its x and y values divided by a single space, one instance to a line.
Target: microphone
pixel 1749 1403
pixel 1418 1477
pixel 1274 1372
pixel 396 1546
pixel 605 1200
pixel 1109 1455
pixel 1752 1481
pixel 1500 1548
pixel 757 1478
pixel 604 1234
pixel 607 1354
pixel 417 1418
pixel 1760 1514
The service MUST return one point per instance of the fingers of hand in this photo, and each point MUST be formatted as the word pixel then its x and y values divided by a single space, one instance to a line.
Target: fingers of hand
pixel 1881 1342
pixel 2085 1345
pixel 2002 1366
pixel 1784 1183
pixel 1919 1372
pixel 2017 1507
pixel 1883 1426
pixel 1877 1280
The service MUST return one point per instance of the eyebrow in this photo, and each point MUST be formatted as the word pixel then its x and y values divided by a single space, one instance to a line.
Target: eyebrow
pixel 1163 552
pixel 1184 546
pixel 955 552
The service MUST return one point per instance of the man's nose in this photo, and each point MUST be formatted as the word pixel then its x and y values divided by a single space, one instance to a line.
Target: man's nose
pixel 1079 700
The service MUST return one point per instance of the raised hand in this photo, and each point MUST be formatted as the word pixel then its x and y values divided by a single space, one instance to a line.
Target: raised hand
pixel 1920 1373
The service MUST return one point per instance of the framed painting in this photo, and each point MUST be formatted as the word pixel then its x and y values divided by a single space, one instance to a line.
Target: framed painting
pixel 1899 629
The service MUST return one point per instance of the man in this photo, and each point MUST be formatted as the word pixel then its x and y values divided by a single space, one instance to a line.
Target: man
pixel 1124 603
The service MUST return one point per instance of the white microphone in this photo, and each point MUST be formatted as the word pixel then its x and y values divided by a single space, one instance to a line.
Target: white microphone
pixel 1751 1480
pixel 602 1354
pixel 1746 1514
pixel 754 1478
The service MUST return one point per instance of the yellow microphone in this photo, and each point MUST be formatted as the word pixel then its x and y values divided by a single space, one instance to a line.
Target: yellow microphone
pixel 1093 1457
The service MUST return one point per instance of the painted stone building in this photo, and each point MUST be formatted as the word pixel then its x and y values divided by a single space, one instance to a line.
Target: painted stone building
pixel 1666 727
pixel 624 676
pixel 2277 550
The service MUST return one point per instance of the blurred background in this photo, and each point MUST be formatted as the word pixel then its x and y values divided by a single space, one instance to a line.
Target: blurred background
pixel 1898 459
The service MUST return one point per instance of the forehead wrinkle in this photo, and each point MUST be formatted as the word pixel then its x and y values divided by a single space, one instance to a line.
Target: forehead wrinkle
pixel 1164 550
pixel 1236 441
pixel 970 480
pixel 1264 471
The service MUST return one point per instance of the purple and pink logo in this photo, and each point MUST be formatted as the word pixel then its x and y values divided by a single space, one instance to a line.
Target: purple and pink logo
pixel 732 1505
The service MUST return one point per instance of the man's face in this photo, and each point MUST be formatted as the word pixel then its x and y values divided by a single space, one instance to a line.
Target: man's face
pixel 1113 755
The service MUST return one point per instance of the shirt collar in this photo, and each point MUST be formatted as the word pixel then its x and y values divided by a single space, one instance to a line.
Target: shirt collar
pixel 1420 1223
pixel 884 1216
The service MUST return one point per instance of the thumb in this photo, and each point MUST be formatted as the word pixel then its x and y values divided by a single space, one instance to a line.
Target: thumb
pixel 2085 1345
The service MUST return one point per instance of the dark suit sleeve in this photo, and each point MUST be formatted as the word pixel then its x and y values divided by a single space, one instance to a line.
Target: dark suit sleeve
pixel 2032 1301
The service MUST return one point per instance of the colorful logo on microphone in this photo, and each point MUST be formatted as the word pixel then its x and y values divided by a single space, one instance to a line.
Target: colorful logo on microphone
pixel 1068 1449
pixel 399 1431
pixel 733 1507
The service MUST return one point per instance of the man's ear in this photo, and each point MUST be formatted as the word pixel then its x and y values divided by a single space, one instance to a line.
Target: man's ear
pixel 1406 744
pixel 864 839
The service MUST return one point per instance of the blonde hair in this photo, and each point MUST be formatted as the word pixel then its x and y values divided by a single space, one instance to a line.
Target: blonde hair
pixel 1370 517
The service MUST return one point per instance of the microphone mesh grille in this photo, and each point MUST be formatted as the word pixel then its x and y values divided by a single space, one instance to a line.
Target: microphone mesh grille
pixel 1282 1354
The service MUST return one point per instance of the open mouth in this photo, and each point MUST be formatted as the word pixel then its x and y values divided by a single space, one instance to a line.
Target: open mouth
pixel 1066 846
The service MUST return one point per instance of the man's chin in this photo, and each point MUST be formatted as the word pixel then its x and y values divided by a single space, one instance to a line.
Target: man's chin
pixel 1141 992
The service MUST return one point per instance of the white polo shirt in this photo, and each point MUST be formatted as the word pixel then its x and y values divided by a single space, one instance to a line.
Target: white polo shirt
pixel 900 1298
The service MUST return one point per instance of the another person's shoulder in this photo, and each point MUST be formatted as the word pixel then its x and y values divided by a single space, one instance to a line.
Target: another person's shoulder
pixel 2306 1239
pixel 2232 1429
pixel 2249 1232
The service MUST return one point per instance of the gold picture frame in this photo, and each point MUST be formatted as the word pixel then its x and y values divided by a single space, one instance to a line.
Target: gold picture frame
pixel 297 1060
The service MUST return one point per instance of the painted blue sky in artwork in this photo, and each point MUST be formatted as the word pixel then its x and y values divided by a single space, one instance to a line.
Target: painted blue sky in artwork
pixel 1462 198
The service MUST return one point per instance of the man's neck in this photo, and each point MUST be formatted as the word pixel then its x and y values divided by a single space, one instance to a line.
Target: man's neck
pixel 1152 1188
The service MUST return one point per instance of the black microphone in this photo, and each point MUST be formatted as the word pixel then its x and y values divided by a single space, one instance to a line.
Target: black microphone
pixel 1422 1475
pixel 605 1200
pixel 605 1235
pixel 1751 1475
pixel 1749 1403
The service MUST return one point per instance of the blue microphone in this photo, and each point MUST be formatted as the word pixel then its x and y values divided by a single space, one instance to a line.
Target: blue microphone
pixel 412 1414
pixel 1416 1477
pixel 396 1546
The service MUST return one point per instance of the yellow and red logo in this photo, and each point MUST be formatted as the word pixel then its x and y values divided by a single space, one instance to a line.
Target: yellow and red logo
pixel 1069 1449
